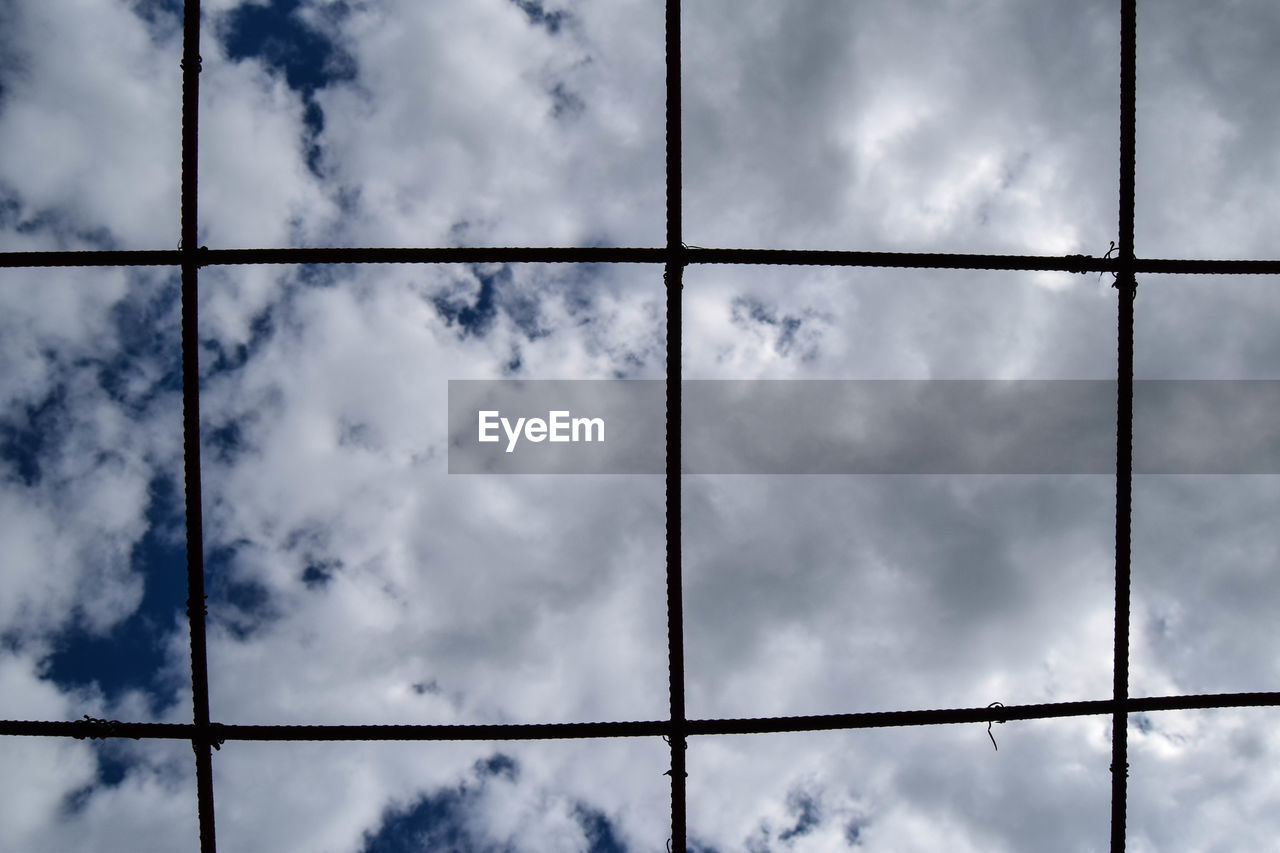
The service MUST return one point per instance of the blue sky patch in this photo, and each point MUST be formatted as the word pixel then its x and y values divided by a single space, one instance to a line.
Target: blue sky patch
pixel 596 825
pixel 498 293
pixel 806 812
pixel 565 104
pixel 538 15
pixel 446 821
pixel 437 822
pixel 24 439
pixel 147 327
pixel 218 358
pixel 498 765
pixel 277 36
pixel 70 235
pixel 142 364
pixel 746 310
pixel 474 317
pixel 131 656
pixel 163 17
pixel 224 443
pixel 112 765
pixel 312 542
pixel 241 606
pixel 318 573
pixel 309 60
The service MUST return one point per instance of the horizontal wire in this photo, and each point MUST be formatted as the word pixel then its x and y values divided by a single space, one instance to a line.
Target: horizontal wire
pixel 169 258
pixel 624 255
pixel 1205 267
pixel 888 719
pixel 221 732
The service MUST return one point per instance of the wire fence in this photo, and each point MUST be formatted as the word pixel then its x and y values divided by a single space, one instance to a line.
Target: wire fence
pixel 206 735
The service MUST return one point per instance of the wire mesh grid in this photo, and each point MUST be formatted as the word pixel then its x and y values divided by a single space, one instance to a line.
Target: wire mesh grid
pixel 205 735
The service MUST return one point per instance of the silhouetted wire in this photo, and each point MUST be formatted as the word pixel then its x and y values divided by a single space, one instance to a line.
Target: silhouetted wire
pixel 1126 286
pixel 989 722
pixel 201 740
pixel 673 279
pixel 91 727
pixel 687 255
pixel 1111 248
pixel 100 729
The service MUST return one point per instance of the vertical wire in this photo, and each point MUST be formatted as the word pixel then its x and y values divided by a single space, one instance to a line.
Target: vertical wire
pixel 673 278
pixel 675 595
pixel 191 423
pixel 1126 293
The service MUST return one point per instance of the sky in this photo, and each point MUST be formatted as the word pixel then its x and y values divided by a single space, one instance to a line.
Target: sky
pixel 353 580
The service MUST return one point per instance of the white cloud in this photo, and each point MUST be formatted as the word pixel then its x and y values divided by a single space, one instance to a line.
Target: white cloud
pixel 1205 134
pixel 88 124
pixel 255 189
pixel 976 127
pixel 74 513
pixel 151 808
pixel 465 124
pixel 347 402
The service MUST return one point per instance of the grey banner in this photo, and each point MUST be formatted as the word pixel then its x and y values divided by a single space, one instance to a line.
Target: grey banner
pixel 863 427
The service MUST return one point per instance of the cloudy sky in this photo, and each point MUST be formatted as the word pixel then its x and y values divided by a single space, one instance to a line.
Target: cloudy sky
pixel 353 580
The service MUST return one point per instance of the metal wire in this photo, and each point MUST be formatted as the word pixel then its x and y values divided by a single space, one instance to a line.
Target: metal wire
pixel 201 739
pixel 221 732
pixel 686 255
pixel 205 735
pixel 674 281
pixel 1126 287
pixel 675 583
